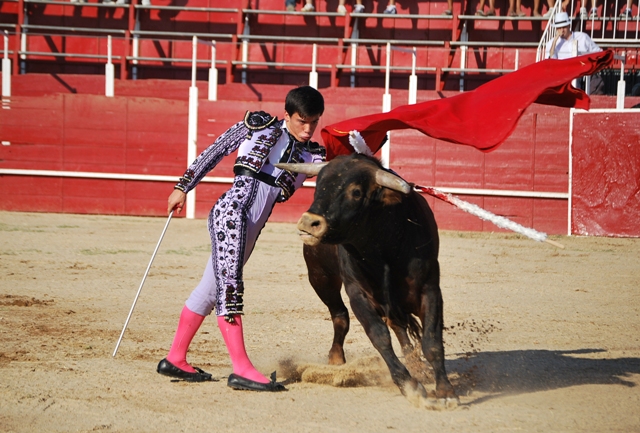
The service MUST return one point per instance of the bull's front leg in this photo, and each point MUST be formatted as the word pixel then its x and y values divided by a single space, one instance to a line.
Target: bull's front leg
pixel 323 269
pixel 432 344
pixel 378 333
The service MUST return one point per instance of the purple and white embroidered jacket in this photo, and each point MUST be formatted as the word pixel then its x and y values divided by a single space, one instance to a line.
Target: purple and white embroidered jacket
pixel 240 213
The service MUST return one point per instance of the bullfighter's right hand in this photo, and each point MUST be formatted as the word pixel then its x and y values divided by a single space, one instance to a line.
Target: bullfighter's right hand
pixel 176 201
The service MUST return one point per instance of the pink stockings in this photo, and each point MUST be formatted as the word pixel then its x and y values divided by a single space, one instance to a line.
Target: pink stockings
pixel 232 334
pixel 234 339
pixel 188 325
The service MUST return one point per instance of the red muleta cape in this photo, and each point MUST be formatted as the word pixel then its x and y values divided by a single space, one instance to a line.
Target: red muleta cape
pixel 482 118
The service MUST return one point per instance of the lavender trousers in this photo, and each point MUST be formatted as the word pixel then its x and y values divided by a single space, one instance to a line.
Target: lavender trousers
pixel 235 222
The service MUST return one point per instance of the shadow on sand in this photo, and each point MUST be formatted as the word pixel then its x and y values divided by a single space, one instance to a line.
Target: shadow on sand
pixel 526 371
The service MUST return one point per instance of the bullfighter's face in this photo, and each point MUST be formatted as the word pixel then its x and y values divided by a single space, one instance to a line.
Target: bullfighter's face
pixel 302 128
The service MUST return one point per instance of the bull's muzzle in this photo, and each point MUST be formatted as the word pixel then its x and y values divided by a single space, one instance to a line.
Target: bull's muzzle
pixel 312 228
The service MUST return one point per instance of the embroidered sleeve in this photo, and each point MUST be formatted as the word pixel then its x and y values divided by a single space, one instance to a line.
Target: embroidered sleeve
pixel 258 120
pixel 224 145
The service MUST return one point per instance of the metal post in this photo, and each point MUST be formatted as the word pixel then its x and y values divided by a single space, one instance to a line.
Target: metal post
pixel 23 47
pixel 354 62
pixel 135 49
pixel 355 34
pixel 6 68
pixel 193 127
pixel 109 71
pixel 574 53
pixel 621 85
pixel 386 107
pixel 213 75
pixel 313 75
pixel 464 37
pixel 413 80
pixel 245 48
pixel 572 113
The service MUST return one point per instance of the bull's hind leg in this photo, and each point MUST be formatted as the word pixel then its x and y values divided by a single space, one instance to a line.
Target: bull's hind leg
pixel 322 264
pixel 378 333
pixel 432 345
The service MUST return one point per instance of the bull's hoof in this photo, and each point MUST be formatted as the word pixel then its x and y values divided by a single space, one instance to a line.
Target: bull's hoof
pixel 414 391
pixel 336 356
pixel 440 403
pixel 449 403
pixel 336 360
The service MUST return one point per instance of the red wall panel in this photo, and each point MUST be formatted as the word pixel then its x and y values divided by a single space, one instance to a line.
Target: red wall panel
pixel 551 216
pixel 25 120
pixel 606 174
pixel 459 166
pixel 95 114
pixel 519 210
pixel 146 198
pixel 93 159
pixel 159 162
pixel 21 155
pixel 31 203
pixel 33 186
pixel 450 217
pixel 88 196
pixel 31 194
pixel 100 137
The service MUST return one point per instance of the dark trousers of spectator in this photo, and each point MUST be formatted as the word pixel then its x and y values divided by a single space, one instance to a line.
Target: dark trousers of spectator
pixel 596 85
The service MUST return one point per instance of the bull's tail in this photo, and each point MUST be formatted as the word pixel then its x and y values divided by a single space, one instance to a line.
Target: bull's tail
pixel 396 314
pixel 414 328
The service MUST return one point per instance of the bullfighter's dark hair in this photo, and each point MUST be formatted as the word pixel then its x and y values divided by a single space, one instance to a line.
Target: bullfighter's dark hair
pixel 305 100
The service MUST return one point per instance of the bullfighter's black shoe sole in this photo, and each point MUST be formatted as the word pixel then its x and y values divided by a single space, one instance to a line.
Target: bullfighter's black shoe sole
pixel 168 369
pixel 241 383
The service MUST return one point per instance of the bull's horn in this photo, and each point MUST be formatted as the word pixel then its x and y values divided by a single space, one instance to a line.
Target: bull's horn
pixel 391 181
pixel 307 168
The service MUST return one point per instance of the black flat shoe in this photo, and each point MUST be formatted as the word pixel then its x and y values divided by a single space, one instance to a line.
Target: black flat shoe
pixel 168 369
pixel 238 382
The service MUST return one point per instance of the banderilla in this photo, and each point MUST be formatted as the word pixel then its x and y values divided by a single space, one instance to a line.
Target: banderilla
pixel 142 284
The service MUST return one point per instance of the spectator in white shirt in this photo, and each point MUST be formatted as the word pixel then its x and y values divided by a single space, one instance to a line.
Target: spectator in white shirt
pixel 569 44
pixel 562 45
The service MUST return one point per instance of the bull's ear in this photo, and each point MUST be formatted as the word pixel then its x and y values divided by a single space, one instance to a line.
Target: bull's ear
pixel 389 197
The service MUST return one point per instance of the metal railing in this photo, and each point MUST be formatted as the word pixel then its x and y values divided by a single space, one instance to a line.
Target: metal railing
pixel 78 4
pixel 135 36
pixel 405 42
pixel 549 31
pixel 605 25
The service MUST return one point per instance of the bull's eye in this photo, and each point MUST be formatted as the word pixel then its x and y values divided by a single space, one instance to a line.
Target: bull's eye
pixel 356 194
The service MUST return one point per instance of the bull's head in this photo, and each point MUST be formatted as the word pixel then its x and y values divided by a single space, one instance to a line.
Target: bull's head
pixel 348 189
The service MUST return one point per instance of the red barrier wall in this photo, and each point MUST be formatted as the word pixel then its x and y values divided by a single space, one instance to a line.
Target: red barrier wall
pixel 605 199
pixel 138 135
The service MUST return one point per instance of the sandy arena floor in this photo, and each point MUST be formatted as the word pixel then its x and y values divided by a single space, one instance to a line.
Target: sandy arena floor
pixel 538 338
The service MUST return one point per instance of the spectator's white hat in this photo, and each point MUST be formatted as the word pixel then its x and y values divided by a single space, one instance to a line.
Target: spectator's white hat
pixel 561 20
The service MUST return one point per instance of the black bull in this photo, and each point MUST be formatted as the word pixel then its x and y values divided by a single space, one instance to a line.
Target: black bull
pixel 368 229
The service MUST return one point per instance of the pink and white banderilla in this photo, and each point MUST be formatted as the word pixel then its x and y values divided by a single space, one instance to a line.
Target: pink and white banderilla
pixel 357 142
